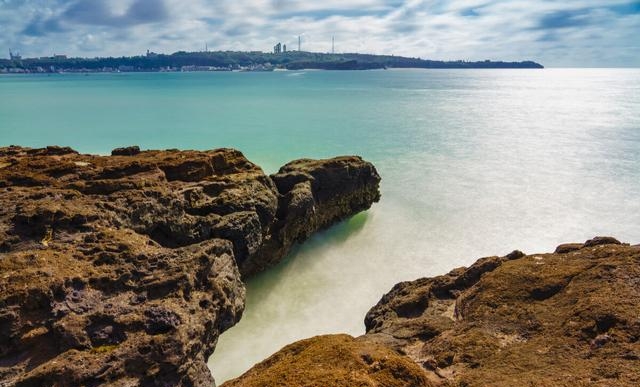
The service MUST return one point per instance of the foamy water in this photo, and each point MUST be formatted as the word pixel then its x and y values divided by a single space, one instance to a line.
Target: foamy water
pixel 474 163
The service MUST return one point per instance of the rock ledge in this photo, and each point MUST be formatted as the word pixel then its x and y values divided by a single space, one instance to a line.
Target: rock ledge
pixel 564 319
pixel 123 270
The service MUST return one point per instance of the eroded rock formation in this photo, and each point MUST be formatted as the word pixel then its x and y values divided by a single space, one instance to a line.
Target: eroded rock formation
pixel 565 319
pixel 335 361
pixel 124 270
pixel 570 318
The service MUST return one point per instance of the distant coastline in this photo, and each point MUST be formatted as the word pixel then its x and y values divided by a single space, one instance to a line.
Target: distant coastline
pixel 241 61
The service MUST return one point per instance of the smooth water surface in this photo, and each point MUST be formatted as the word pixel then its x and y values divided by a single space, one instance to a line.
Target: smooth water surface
pixel 474 163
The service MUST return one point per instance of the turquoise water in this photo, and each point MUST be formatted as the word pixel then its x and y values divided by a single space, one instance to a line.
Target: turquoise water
pixel 474 163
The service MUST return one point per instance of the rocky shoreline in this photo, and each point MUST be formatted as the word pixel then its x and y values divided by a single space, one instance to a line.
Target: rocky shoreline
pixel 123 270
pixel 568 318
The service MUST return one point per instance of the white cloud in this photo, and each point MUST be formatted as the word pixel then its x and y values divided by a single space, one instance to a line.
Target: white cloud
pixel 560 33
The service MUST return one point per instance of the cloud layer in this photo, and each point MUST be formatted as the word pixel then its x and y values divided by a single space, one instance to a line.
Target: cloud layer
pixel 556 33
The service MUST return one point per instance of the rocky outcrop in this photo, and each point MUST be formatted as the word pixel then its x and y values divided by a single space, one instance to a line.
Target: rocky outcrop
pixel 563 319
pixel 124 270
pixel 336 361
pixel 314 194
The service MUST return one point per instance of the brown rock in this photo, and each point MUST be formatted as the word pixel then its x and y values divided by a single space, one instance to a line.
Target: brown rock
pixel 126 151
pixel 336 361
pixel 124 270
pixel 568 247
pixel 314 194
pixel 600 240
pixel 544 319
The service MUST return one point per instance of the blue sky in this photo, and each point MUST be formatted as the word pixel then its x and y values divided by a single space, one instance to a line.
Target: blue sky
pixel 581 33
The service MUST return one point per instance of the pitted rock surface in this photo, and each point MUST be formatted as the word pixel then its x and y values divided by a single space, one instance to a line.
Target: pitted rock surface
pixel 567 319
pixel 123 270
pixel 564 319
pixel 335 361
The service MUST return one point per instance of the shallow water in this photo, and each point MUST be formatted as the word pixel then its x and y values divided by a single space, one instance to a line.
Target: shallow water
pixel 474 163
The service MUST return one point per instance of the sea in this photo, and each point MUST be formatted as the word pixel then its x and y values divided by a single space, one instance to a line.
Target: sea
pixel 473 163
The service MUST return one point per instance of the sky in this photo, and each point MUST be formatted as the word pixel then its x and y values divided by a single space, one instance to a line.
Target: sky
pixel 566 33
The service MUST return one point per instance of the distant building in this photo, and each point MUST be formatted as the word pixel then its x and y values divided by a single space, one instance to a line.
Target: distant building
pixel 284 48
pixel 15 56
pixel 151 54
pixel 59 56
pixel 277 49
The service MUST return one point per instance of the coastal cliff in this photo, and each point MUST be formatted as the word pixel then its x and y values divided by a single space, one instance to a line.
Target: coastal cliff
pixel 123 270
pixel 568 318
